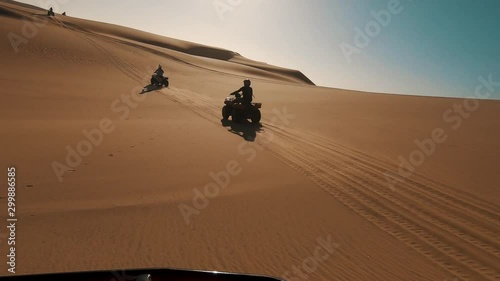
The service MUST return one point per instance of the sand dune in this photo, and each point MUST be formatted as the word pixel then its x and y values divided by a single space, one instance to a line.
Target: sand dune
pixel 323 166
pixel 170 44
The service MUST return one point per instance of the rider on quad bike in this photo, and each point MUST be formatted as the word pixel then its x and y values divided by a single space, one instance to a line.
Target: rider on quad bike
pixel 158 79
pixel 51 13
pixel 247 92
pixel 241 107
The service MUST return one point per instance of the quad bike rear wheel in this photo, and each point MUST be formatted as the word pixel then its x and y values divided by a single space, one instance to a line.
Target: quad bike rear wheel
pixel 256 116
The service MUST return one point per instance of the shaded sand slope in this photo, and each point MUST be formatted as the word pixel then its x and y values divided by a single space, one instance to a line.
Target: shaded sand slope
pixel 317 174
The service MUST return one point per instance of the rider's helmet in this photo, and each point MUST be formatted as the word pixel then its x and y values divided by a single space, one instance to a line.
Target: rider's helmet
pixel 247 82
pixel 159 66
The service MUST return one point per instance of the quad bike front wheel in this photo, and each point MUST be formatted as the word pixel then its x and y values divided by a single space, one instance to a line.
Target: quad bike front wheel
pixel 226 112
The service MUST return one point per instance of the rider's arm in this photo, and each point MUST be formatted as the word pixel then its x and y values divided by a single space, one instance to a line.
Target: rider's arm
pixel 238 91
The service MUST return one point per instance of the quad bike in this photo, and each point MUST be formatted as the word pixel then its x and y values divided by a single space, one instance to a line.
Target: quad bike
pixel 235 107
pixel 157 80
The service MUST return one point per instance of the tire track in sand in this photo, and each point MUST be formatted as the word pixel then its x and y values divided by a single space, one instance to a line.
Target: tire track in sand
pixel 454 230
pixel 121 64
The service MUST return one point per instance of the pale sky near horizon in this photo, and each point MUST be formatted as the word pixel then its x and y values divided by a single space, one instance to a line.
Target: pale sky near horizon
pixel 427 47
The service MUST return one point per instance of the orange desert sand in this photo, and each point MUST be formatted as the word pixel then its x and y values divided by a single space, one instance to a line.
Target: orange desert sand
pixel 316 192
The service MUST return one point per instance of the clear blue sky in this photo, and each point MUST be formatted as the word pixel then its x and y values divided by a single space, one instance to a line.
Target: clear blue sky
pixel 429 47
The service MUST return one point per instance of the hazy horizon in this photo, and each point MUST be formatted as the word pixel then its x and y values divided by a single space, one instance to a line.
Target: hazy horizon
pixel 423 48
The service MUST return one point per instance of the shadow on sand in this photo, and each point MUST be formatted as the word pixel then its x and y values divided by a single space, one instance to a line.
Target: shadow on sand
pixel 245 129
pixel 150 88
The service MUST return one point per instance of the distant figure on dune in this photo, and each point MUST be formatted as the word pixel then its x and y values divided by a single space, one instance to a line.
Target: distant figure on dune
pixel 159 71
pixel 247 92
pixel 64 13
pixel 158 79
pixel 51 13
